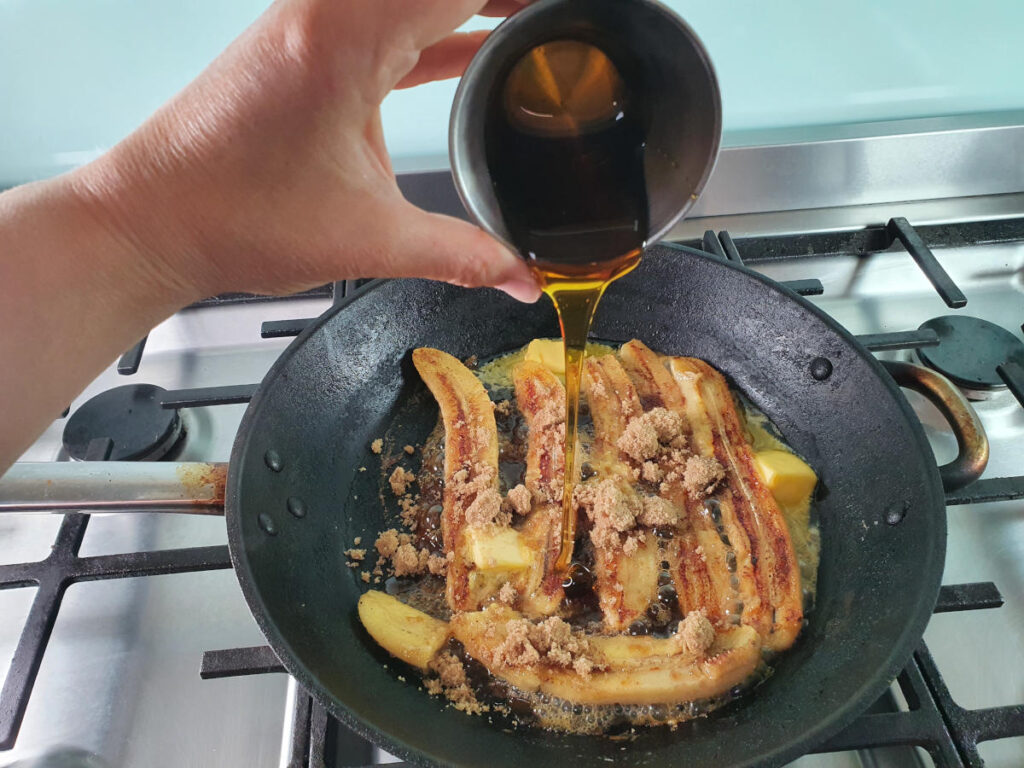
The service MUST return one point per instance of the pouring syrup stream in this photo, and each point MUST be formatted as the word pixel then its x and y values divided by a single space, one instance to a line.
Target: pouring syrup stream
pixel 576 299
pixel 565 149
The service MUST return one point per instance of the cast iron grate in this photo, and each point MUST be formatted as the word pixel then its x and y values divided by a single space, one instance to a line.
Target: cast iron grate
pixel 132 359
pixel 862 241
pixel 723 247
pixel 52 576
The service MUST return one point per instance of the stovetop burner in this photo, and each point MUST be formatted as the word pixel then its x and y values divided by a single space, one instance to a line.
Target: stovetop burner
pixel 969 351
pixel 132 418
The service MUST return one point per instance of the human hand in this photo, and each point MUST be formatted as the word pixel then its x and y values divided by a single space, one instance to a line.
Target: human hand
pixel 269 173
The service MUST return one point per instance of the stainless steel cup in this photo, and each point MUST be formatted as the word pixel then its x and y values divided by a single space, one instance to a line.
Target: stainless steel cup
pixel 683 104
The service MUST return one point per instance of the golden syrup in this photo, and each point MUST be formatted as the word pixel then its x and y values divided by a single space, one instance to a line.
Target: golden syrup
pixel 564 140
pixel 576 297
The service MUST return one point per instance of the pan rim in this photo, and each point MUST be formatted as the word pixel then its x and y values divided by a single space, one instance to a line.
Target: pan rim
pixel 823 729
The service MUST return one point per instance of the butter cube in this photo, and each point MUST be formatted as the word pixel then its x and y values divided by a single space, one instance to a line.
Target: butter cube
pixel 501 549
pixel 548 352
pixel 788 477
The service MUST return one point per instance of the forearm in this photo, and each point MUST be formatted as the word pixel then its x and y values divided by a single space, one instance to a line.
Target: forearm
pixel 75 296
pixel 268 173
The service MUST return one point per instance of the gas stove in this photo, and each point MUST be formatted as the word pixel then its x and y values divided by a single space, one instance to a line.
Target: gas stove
pixel 130 644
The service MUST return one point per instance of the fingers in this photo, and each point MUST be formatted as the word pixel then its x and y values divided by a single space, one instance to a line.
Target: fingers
pixel 444 248
pixel 429 21
pixel 448 58
pixel 426 22
pixel 502 7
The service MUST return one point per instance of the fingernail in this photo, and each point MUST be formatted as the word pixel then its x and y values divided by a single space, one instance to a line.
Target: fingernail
pixel 524 290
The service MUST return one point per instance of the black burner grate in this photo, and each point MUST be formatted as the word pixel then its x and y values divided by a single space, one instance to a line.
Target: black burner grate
pixel 933 720
pixel 52 576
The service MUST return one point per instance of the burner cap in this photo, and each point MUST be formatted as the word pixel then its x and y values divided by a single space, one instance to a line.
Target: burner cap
pixel 139 428
pixel 969 350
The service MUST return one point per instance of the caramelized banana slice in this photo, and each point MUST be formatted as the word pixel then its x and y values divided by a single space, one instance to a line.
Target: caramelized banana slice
pixel 613 402
pixel 626 584
pixel 540 397
pixel 470 465
pixel 404 632
pixel 766 566
pixel 654 384
pixel 628 670
pixel 697 556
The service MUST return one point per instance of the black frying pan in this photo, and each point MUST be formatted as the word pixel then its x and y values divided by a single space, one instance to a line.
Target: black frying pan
pixel 342 382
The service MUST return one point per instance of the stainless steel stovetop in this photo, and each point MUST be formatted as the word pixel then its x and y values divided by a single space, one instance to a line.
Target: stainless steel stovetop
pixel 120 679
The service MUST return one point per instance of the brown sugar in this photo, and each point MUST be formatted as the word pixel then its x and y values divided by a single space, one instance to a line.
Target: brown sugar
pixel 551 414
pixel 551 641
pixel 410 513
pixel 516 650
pixel 377 445
pixel 507 594
pixel 449 669
pixel 503 408
pixel 632 543
pixel 451 682
pixel 547 486
pixel 639 441
pixel 406 560
pixel 658 512
pixel 437 564
pixel 520 499
pixel 668 425
pixel 702 475
pixel 387 543
pixel 463 699
pixel 486 510
pixel 476 494
pixel 695 634
pixel 647 435
pixel 483 477
pixel 365 576
pixel 555 638
pixel 400 480
pixel 355 554
pixel 651 472
pixel 583 666
pixel 611 511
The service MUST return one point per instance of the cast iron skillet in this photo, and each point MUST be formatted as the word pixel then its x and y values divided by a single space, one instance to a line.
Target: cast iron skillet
pixel 342 382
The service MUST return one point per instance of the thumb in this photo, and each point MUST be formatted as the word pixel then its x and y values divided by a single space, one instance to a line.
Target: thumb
pixel 445 248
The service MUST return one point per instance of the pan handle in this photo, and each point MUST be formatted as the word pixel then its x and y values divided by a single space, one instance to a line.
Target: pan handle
pixel 114 486
pixel 970 435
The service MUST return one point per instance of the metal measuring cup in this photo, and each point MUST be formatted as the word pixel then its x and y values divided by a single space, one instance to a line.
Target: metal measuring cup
pixel 682 102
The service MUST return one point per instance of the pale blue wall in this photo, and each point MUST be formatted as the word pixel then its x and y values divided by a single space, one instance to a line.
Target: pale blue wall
pixel 76 75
